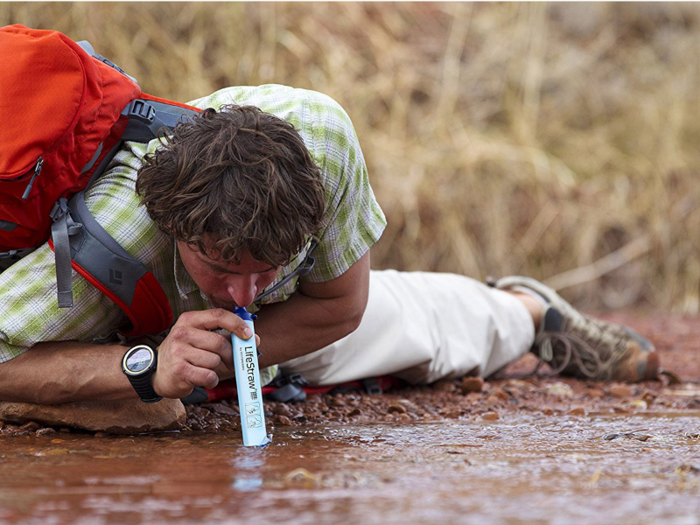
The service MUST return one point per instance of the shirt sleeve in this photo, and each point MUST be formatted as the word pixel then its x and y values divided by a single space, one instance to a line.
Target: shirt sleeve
pixel 354 220
pixel 30 312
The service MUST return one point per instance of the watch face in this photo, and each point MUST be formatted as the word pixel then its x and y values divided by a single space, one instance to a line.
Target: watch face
pixel 138 360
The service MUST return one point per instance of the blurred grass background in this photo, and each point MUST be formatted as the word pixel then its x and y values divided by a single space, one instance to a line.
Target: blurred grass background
pixel 560 141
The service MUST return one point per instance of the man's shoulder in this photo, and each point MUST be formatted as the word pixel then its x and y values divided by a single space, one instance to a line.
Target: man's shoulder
pixel 301 107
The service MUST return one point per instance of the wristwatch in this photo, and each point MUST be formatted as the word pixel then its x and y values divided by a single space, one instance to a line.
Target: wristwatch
pixel 139 364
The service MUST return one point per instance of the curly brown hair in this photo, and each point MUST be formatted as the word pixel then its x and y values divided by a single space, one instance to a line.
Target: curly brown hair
pixel 238 177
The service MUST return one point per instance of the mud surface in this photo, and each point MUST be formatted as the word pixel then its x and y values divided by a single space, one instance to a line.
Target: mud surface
pixel 536 450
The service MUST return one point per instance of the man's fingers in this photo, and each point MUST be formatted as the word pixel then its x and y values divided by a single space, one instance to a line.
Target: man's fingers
pixel 183 381
pixel 215 319
pixel 208 360
pixel 187 339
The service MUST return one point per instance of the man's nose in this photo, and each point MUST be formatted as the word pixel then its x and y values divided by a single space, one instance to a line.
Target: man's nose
pixel 242 289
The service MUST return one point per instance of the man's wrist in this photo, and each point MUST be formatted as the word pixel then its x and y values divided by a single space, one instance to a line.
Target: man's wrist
pixel 139 365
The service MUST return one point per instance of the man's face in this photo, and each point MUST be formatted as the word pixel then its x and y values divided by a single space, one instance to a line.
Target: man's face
pixel 227 285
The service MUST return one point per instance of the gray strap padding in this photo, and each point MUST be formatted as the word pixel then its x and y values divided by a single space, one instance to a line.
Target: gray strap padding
pixel 101 256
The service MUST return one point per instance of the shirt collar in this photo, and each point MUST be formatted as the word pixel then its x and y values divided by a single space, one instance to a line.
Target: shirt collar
pixel 183 281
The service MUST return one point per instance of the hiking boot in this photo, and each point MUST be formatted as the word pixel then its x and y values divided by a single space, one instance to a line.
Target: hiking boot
pixel 576 345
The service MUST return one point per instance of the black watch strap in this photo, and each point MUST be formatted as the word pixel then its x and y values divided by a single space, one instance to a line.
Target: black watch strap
pixel 144 388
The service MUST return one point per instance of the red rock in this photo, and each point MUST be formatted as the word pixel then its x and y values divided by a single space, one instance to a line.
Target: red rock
pixel 577 411
pixel 472 384
pixel 396 409
pixel 620 390
pixel 595 393
pixel 490 416
pixel 282 410
pixel 547 411
pixel 284 421
pixel 116 417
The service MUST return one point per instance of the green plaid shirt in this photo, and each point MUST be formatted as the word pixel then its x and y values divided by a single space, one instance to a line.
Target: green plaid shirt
pixel 354 221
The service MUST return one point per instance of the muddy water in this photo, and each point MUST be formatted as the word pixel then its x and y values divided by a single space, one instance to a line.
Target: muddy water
pixel 536 469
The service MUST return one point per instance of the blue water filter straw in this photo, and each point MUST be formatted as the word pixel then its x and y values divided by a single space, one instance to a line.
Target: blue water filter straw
pixel 250 399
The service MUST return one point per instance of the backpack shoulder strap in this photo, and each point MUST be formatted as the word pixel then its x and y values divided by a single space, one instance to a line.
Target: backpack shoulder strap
pixel 111 269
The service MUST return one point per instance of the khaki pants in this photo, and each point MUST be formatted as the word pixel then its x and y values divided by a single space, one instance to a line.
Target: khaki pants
pixel 422 327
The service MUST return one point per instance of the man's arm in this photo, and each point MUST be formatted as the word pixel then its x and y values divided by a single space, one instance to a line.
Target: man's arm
pixel 317 315
pixel 61 372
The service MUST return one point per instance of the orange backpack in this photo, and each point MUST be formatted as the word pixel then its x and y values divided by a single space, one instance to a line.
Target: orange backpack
pixel 64 113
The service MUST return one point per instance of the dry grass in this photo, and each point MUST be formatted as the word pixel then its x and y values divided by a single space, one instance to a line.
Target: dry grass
pixel 500 138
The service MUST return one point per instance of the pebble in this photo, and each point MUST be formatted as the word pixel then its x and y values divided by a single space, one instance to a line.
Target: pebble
pixel 595 393
pixel 472 384
pixel 638 404
pixel 284 421
pixel 620 390
pixel 547 411
pixel 396 409
pixel 282 410
pixel 220 408
pixel 355 412
pixel 578 411
pixel 337 402
pixel 301 478
pixel 560 390
pixel 32 426
pixel 444 385
pixel 500 394
pixel 649 397
pixel 490 416
pixel 45 432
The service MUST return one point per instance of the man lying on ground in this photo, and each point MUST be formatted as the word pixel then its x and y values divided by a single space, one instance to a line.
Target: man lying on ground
pixel 230 206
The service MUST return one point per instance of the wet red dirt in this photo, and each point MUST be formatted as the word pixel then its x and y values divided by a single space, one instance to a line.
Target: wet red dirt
pixel 534 449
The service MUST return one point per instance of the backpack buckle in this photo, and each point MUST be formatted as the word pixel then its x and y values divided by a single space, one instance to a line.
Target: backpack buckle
pixel 143 111
pixel 60 208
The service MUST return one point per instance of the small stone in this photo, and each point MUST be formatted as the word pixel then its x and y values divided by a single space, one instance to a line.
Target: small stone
pixel 490 416
pixel 284 421
pixel 396 409
pixel 444 385
pixel 45 432
pixel 57 441
pixel 472 384
pixel 649 397
pixel 559 390
pixel 620 390
pixel 501 394
pixel 595 393
pixel 96 435
pixel 638 404
pixel 32 426
pixel 282 410
pixel 578 411
pixel 547 411
pixel 355 412
pixel 337 402
pixel 220 408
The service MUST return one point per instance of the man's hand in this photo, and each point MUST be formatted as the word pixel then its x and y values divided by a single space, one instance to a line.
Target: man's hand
pixel 192 354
